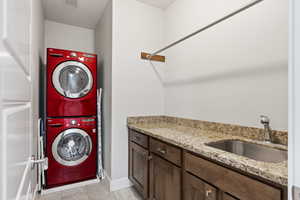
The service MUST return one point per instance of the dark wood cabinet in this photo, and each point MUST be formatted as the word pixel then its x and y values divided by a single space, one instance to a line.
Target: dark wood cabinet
pixel 165 179
pixel 195 189
pixel 161 171
pixel 138 168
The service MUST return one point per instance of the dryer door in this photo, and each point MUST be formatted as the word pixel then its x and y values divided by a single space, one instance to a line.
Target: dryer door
pixel 72 79
pixel 72 147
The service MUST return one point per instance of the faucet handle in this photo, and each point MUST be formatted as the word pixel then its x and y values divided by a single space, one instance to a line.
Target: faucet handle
pixel 264 119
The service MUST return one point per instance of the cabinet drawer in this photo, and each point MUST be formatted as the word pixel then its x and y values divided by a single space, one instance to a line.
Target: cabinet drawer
pixel 139 138
pixel 230 181
pixel 168 152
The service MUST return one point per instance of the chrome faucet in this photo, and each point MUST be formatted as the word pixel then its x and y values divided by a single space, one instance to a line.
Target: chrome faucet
pixel 265 120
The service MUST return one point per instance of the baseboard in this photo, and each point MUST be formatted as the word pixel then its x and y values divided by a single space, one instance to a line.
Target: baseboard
pixel 70 186
pixel 107 177
pixel 117 184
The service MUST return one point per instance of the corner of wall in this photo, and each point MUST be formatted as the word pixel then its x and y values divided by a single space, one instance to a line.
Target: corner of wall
pixel 117 184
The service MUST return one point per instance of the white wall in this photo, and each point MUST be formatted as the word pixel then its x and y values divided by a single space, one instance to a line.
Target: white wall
pixel 103 40
pixel 233 72
pixel 63 36
pixel 136 87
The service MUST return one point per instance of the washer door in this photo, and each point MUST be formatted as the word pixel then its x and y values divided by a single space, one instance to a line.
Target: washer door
pixel 72 79
pixel 72 147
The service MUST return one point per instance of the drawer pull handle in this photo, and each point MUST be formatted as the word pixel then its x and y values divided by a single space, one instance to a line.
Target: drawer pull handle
pixel 161 151
pixel 208 192
pixel 137 138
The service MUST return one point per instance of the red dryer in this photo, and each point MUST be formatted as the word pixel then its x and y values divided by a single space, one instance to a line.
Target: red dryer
pixel 71 83
pixel 71 150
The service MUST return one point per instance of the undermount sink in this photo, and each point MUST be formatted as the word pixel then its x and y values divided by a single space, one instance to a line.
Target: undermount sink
pixel 251 150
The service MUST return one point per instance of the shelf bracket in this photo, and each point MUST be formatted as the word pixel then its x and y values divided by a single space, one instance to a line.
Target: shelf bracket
pixel 158 58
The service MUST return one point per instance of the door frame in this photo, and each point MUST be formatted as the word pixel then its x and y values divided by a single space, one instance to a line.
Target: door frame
pixel 294 96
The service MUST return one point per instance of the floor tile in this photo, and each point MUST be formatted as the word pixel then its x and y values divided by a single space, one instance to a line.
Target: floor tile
pixel 98 191
pixel 54 196
pixel 127 194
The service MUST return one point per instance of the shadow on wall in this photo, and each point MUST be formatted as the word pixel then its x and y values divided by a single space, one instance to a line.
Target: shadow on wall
pixel 100 72
pixel 231 74
pixel 42 88
pixel 157 73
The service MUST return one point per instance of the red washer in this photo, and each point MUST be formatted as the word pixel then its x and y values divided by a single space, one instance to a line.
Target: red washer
pixel 71 148
pixel 71 83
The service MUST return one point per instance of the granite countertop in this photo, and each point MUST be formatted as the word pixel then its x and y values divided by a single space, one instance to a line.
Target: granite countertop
pixel 192 138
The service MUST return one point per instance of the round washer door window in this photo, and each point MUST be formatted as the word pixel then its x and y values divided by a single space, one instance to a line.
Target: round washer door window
pixel 72 147
pixel 72 79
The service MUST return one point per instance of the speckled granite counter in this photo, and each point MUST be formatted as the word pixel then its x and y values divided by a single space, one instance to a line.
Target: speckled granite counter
pixel 193 135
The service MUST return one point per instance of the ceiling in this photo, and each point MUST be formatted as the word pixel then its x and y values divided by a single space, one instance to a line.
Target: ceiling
pixel 83 13
pixel 158 3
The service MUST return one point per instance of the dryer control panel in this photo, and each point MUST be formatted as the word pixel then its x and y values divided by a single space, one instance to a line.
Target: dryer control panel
pixel 72 122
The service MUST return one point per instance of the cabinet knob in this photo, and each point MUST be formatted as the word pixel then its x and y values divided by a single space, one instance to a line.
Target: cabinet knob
pixel 161 151
pixel 208 192
pixel 150 158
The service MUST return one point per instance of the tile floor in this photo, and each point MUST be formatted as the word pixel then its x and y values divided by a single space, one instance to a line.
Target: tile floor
pixel 98 191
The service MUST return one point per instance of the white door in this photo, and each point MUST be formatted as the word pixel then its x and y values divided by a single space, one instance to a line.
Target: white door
pixel 16 119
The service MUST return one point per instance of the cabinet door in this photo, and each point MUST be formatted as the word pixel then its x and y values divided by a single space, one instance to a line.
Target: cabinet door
pixel 139 168
pixel 195 189
pixel 165 180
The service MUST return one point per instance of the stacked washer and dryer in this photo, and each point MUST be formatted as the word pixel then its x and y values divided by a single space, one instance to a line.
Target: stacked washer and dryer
pixel 71 109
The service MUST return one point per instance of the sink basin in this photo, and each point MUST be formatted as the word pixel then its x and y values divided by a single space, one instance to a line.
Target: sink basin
pixel 251 150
